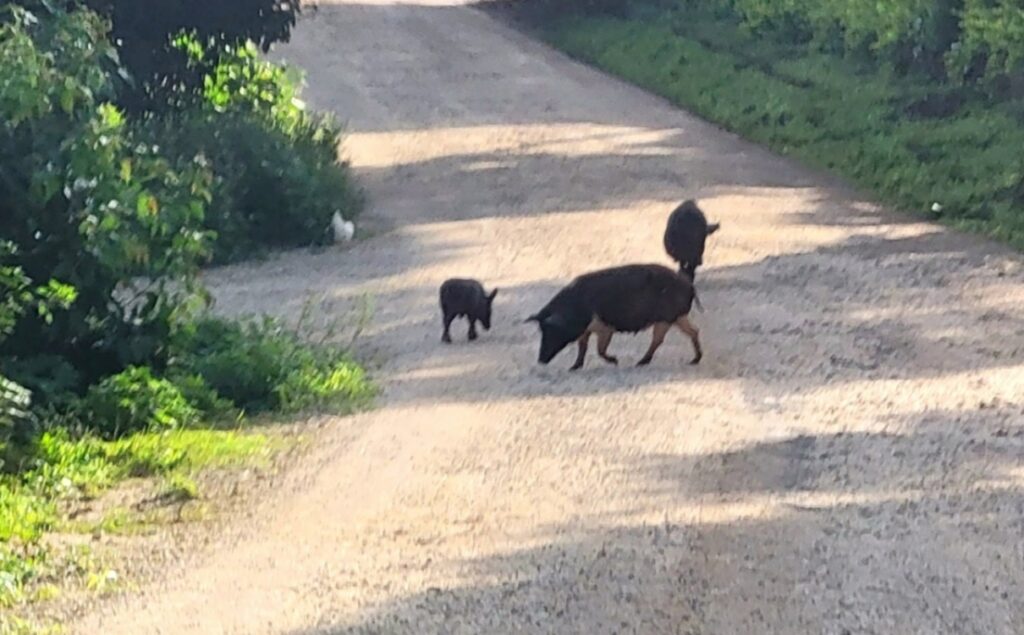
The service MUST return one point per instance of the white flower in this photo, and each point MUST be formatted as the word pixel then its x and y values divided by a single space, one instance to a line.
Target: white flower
pixel 936 207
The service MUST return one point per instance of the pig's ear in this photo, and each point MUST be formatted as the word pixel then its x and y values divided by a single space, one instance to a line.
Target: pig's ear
pixel 556 320
pixel 533 318
pixel 490 298
pixel 713 227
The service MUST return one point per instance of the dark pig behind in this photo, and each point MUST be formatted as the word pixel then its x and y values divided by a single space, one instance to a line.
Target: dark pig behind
pixel 630 299
pixel 463 297
pixel 685 235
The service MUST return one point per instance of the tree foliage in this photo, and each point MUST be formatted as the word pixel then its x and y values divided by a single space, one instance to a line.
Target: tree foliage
pixel 145 32
pixel 85 204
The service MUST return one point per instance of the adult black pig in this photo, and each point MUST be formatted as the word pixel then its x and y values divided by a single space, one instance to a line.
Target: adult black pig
pixel 630 299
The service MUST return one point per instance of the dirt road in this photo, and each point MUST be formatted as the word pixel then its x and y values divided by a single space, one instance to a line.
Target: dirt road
pixel 847 459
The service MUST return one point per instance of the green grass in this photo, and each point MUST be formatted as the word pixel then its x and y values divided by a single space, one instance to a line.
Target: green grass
pixel 13 625
pixel 824 110
pixel 66 469
pixel 168 426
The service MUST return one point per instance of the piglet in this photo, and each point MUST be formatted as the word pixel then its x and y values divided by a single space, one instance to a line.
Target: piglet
pixel 461 297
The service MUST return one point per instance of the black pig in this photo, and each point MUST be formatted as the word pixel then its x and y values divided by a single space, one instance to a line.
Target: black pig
pixel 628 299
pixel 461 297
pixel 685 234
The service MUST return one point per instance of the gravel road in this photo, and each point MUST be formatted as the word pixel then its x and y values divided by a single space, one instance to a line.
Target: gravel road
pixel 847 459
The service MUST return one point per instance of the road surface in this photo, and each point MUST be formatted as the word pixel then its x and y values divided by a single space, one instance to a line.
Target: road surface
pixel 847 459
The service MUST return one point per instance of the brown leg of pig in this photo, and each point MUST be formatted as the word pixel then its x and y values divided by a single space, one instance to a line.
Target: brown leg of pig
pixel 582 350
pixel 604 338
pixel 660 330
pixel 686 326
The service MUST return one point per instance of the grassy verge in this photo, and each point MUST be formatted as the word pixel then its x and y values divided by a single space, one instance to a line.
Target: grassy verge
pixel 162 432
pixel 69 472
pixel 943 153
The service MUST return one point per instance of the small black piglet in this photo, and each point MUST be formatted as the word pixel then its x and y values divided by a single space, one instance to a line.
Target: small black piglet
pixel 461 297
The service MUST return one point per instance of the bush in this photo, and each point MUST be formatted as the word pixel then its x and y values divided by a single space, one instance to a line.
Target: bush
pixel 87 205
pixel 962 39
pixel 132 401
pixel 104 223
pixel 260 366
pixel 145 31
pixel 993 31
pixel 278 176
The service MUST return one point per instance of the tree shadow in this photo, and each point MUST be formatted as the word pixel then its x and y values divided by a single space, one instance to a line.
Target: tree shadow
pixel 827 533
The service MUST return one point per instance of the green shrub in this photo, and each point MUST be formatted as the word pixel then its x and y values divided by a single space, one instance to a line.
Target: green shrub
pixel 271 190
pixel 23 517
pixel 962 39
pixel 143 33
pixel 907 32
pixel 134 400
pixel 993 31
pixel 278 176
pixel 213 407
pixel 261 366
pixel 117 223
pixel 104 223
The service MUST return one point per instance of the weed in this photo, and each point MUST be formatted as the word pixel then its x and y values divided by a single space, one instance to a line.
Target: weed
pixel 180 488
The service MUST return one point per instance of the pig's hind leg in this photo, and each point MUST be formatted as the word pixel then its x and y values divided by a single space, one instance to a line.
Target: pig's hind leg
pixel 686 326
pixel 604 338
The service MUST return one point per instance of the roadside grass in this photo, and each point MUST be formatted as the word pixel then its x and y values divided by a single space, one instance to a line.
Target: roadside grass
pixel 69 472
pixel 944 153
pixel 238 378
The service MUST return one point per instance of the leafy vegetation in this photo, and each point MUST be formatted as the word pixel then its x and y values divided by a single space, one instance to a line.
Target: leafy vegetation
pixel 928 145
pixel 66 468
pixel 278 179
pixel 261 367
pixel 159 73
pixel 129 159
pixel 960 40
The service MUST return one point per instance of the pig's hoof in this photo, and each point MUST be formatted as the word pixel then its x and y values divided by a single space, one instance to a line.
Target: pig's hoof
pixel 614 361
pixel 472 337
pixel 575 367
pixel 643 362
pixel 447 339
pixel 696 359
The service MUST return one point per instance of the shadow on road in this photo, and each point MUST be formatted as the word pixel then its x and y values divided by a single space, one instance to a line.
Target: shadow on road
pixel 842 507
